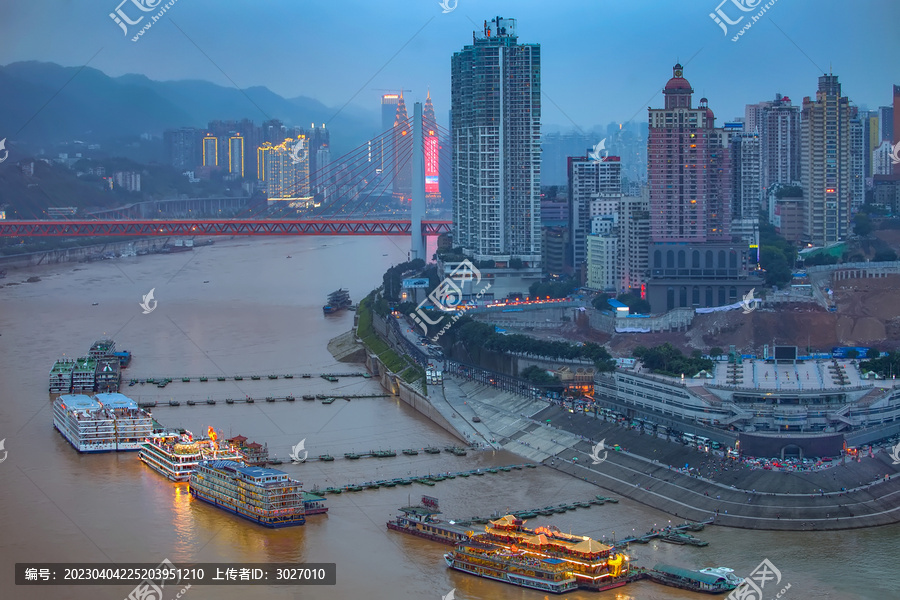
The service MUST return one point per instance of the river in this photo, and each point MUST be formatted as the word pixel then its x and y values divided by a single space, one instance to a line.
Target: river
pixel 254 306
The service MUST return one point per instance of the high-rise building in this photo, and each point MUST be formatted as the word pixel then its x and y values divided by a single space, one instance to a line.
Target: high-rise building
pixel 319 144
pixel 383 150
pixel 779 135
pixel 617 248
pixel 857 161
pixel 286 170
pixel 432 148
pixel 495 134
pixel 825 163
pixel 182 147
pixel 634 243
pixel 746 200
pixel 881 159
pixel 871 140
pixel 210 151
pixel 236 155
pixel 595 188
pixel 886 122
pixel 694 261
pixel 602 262
pixel 688 198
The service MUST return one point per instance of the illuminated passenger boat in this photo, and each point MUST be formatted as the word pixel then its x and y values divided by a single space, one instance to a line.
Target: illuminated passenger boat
pixel 512 566
pixel 595 566
pixel 175 456
pixel 265 496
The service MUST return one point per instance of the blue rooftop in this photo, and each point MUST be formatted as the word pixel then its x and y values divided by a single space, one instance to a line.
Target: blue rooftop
pixel 260 471
pixel 553 561
pixel 116 401
pixel 79 401
pixel 616 304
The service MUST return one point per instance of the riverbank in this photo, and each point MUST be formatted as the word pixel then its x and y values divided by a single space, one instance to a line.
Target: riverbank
pixel 843 497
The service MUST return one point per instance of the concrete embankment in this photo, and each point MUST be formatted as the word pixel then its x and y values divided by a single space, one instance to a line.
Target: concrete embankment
pixel 345 348
pixel 839 497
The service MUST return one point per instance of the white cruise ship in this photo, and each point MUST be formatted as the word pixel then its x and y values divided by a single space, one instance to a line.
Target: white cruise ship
pixel 175 455
pixel 101 423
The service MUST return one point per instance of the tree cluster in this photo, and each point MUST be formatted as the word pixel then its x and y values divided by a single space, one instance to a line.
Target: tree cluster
pixel 669 360
pixel 475 334
pixel 554 289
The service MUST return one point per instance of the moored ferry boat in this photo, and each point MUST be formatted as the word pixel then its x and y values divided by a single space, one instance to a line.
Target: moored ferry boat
pixel 176 455
pixel 337 300
pixel 512 566
pixel 101 423
pixel 265 496
pixel 595 566
pixel 420 521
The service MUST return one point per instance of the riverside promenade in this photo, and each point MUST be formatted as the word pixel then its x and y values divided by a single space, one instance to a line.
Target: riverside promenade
pixel 855 494
pixel 649 469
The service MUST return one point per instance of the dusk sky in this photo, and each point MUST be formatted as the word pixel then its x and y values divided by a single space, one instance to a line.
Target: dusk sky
pixel 602 60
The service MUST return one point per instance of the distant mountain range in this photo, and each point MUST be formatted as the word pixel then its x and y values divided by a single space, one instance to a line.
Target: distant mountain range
pixel 46 103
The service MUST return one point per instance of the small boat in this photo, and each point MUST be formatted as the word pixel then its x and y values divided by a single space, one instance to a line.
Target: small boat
pixel 255 377
pixel 492 471
pixel 333 490
pixel 185 379
pixel 459 452
pixel 210 401
pixel 174 403
pixel 531 466
pixel 191 403
pixel 238 378
pixel 204 378
pixel 432 450
pixel 463 474
pixel 220 378
pixel 328 401
pixel 326 457
pixel 505 469
pixel 273 376
pixel 250 400
pixel 478 472
pixel 306 376
pixel 288 376
pixel 410 452
pixel 95 304
pixel 289 398
pixel 308 397
pixel 229 401
pixel 351 455
pixel 275 461
pixel 270 399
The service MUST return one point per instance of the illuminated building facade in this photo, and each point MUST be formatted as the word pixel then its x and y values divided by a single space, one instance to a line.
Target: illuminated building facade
pixel 285 169
pixel 210 151
pixel 432 151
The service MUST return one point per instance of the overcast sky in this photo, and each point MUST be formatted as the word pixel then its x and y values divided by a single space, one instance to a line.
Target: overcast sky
pixel 602 60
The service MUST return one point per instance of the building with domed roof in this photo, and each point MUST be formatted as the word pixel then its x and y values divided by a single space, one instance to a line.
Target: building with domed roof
pixel 694 259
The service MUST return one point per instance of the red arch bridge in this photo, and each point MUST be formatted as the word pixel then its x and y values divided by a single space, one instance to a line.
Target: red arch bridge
pixel 189 227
